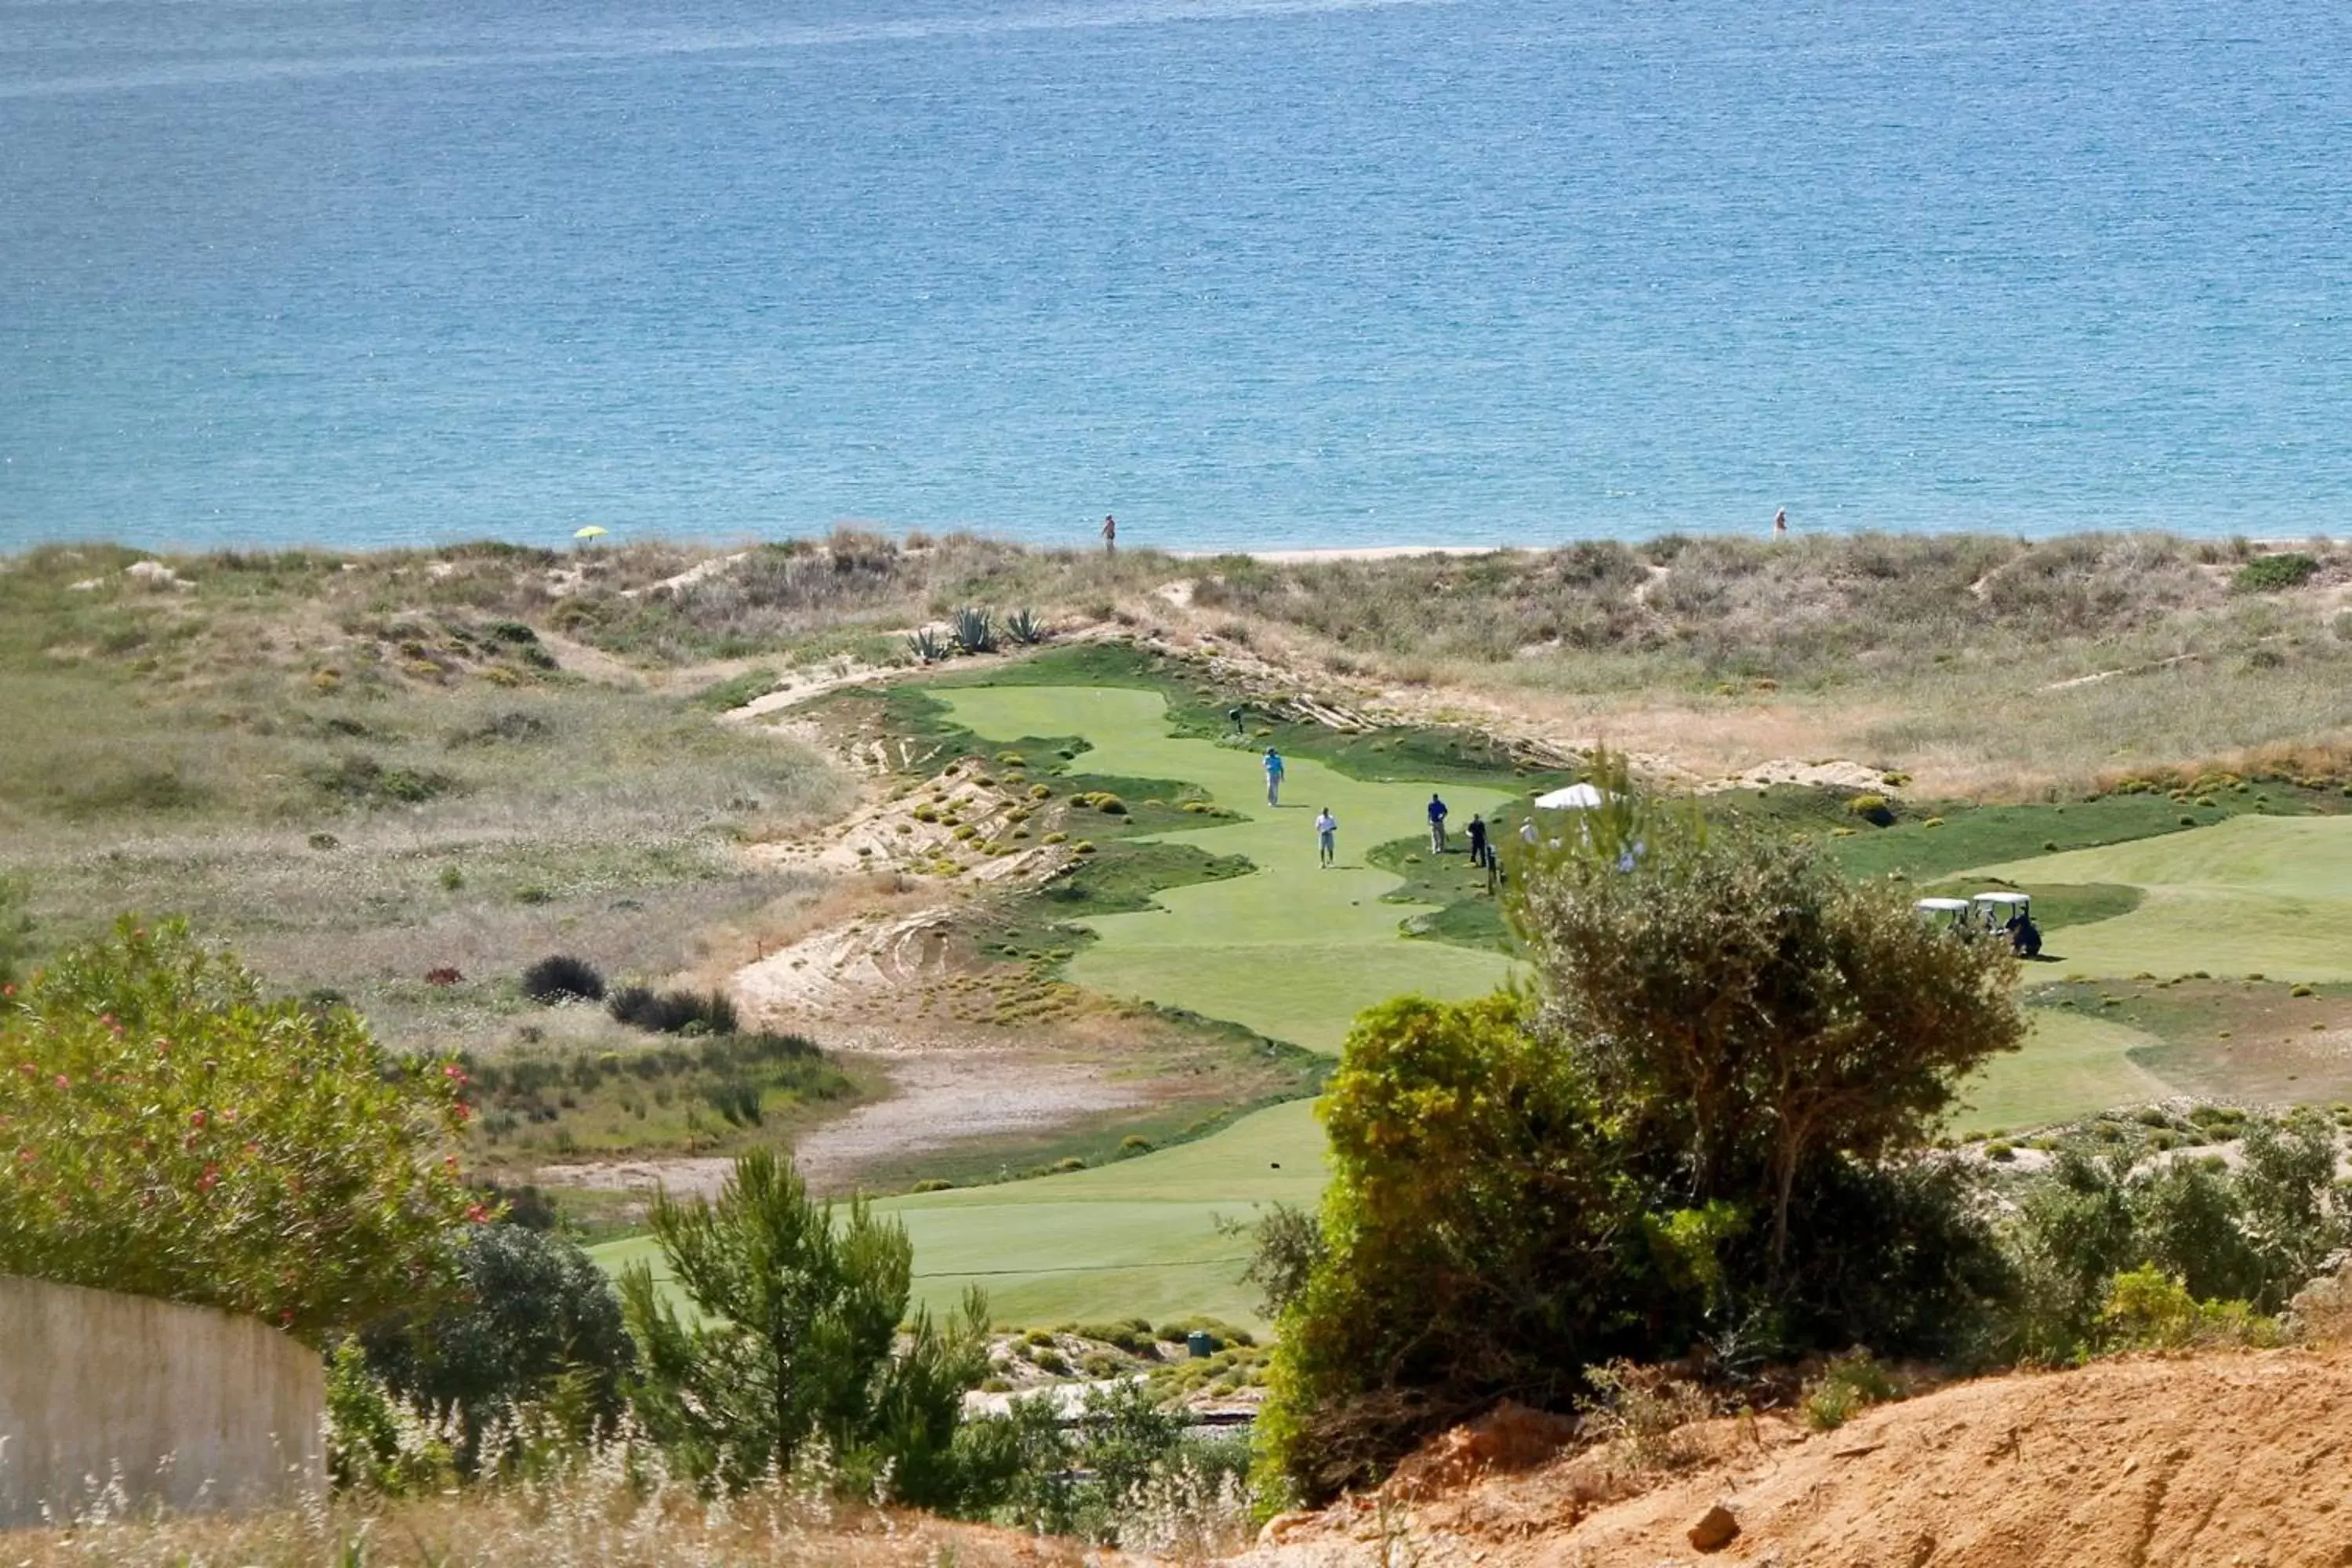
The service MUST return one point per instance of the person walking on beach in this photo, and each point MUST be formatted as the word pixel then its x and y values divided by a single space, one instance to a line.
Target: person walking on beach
pixel 1111 534
pixel 1436 825
pixel 1780 524
pixel 1326 835
pixel 1273 776
pixel 1479 853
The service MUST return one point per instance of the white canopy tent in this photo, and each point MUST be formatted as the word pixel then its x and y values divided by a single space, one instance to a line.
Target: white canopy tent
pixel 1575 797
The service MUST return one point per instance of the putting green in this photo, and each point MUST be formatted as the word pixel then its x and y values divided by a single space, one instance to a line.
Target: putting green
pixel 2071 1066
pixel 2267 895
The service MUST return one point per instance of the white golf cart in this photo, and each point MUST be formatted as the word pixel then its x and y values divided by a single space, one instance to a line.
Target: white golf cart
pixel 1945 914
pixel 2010 914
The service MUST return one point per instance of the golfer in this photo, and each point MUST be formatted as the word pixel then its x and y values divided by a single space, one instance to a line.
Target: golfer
pixel 1273 776
pixel 1479 853
pixel 1326 834
pixel 1436 825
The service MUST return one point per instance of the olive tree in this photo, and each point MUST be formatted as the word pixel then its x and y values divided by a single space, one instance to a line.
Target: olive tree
pixel 1757 1010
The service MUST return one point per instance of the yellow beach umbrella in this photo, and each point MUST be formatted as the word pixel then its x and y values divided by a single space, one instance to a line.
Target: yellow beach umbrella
pixel 591 531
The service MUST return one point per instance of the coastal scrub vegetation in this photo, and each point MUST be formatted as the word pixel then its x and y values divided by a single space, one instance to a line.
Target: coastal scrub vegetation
pixel 1705 1129
pixel 171 1132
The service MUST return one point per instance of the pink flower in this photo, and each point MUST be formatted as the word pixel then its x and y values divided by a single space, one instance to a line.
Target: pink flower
pixel 477 1213
pixel 64 1082
pixel 198 1118
pixel 209 1180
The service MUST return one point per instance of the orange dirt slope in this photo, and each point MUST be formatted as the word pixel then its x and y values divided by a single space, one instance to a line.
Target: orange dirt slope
pixel 2241 1460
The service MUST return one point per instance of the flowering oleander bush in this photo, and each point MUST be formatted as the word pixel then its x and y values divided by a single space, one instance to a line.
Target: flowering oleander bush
pixel 167 1131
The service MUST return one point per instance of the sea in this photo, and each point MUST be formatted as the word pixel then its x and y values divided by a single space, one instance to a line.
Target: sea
pixel 1244 273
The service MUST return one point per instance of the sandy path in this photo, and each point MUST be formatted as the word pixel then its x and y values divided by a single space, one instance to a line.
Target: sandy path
pixel 939 1099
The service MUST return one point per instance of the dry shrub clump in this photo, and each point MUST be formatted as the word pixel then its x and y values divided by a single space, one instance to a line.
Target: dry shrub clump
pixel 618 1511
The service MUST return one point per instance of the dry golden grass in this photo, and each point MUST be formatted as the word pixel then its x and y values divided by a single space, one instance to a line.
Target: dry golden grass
pixel 574 1524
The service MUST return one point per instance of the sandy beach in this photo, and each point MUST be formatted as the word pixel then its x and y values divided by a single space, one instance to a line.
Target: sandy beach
pixel 1367 553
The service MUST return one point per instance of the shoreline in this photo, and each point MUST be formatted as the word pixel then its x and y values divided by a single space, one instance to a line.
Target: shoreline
pixel 918 540
pixel 1310 556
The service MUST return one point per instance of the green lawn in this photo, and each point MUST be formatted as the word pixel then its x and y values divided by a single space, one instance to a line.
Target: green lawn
pixel 2071 1065
pixel 2252 894
pixel 1291 951
pixel 1294 951
pixel 2261 895
pixel 1135 1238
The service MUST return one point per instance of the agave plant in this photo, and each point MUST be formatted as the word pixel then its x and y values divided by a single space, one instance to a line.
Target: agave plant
pixel 926 646
pixel 975 630
pixel 1025 629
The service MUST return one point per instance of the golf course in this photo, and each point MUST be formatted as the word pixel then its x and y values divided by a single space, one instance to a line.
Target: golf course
pixel 1293 951
pixel 1290 949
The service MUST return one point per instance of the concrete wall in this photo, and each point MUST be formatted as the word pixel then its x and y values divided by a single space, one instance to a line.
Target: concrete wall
pixel 194 1407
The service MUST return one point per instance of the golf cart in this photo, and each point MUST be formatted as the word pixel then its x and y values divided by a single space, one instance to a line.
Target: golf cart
pixel 2012 915
pixel 1946 914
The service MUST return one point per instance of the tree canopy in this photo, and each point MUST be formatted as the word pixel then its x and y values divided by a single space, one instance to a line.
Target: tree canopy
pixel 1700 1129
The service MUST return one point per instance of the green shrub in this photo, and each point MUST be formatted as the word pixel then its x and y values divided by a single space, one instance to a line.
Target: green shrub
pixel 1873 809
pixel 2147 1310
pixel 361 779
pixel 562 978
pixel 170 1132
pixel 2270 574
pixel 674 1011
pixel 533 1310
pixel 795 1336
pixel 1843 1389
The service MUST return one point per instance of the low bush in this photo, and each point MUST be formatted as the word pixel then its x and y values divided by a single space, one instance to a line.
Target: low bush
pixel 562 978
pixel 1873 809
pixel 674 1011
pixel 2272 573
pixel 168 1131
pixel 2147 1310
pixel 363 781
pixel 1844 1388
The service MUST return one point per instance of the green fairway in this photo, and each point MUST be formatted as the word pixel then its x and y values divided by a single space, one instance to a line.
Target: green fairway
pixel 1137 1238
pixel 1292 951
pixel 2254 895
pixel 1289 950
pixel 2071 1066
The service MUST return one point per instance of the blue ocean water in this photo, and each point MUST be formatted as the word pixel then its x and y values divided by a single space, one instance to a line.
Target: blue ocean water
pixel 1246 272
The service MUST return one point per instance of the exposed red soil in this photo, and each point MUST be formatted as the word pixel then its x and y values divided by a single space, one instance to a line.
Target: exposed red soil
pixel 2239 1460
